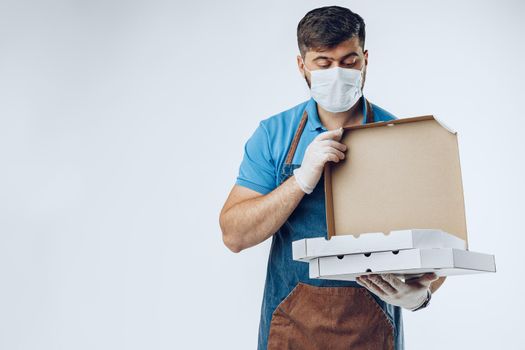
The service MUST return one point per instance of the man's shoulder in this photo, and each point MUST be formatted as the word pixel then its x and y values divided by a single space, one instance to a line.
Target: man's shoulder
pixel 381 114
pixel 280 128
pixel 283 121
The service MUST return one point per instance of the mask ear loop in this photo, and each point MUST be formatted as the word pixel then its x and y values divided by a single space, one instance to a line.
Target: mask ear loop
pixel 306 69
pixel 362 82
pixel 304 66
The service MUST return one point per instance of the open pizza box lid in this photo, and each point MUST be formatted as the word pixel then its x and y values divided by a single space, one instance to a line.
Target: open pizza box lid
pixel 399 181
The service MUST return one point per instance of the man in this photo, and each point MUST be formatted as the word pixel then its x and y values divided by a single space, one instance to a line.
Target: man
pixel 279 193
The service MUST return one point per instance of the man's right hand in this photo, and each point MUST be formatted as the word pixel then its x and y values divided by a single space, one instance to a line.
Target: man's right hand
pixel 325 147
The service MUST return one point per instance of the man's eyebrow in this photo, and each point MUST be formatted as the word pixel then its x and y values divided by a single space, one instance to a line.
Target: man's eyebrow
pixel 329 58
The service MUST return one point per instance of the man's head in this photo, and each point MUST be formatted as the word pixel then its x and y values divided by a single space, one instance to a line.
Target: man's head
pixel 331 36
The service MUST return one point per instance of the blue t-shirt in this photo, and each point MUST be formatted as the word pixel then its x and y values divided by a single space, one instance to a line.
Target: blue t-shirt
pixel 265 151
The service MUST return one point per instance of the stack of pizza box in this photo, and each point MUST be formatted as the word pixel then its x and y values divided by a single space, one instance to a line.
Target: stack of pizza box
pixel 395 204
pixel 402 252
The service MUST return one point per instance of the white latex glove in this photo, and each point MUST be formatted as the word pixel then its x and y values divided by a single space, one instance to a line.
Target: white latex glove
pixel 324 147
pixel 409 294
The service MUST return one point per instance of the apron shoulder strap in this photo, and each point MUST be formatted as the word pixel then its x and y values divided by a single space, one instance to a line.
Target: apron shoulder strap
pixel 297 136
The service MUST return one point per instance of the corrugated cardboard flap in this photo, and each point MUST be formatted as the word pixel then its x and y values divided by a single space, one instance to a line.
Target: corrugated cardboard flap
pixel 399 174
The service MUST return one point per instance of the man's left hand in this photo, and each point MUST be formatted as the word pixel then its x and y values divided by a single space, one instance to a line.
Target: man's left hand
pixel 390 288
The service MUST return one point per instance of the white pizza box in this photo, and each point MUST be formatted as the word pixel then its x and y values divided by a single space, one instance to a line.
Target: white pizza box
pixel 310 248
pixel 442 261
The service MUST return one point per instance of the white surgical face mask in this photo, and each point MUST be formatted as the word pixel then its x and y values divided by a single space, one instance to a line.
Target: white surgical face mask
pixel 336 89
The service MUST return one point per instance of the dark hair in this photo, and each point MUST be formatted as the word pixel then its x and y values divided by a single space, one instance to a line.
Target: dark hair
pixel 326 27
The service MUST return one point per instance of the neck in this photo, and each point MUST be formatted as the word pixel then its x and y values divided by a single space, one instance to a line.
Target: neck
pixel 331 121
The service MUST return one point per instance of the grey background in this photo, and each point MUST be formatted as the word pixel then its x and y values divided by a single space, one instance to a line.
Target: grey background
pixel 122 130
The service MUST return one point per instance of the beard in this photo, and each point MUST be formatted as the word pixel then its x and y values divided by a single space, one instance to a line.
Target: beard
pixel 307 82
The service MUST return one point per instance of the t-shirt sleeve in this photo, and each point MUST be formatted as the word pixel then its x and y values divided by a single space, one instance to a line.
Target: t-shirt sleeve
pixel 257 169
pixel 383 115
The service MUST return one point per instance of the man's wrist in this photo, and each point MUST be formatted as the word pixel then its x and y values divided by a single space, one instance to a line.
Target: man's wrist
pixel 303 186
pixel 425 302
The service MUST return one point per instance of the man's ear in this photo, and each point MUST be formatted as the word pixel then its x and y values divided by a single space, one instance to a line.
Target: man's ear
pixel 300 65
pixel 366 57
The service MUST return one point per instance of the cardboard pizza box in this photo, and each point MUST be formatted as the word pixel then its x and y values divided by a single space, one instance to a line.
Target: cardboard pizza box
pixel 309 248
pixel 442 261
pixel 400 180
pixel 397 175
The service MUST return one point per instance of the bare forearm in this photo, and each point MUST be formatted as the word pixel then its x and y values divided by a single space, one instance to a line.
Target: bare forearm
pixel 250 222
